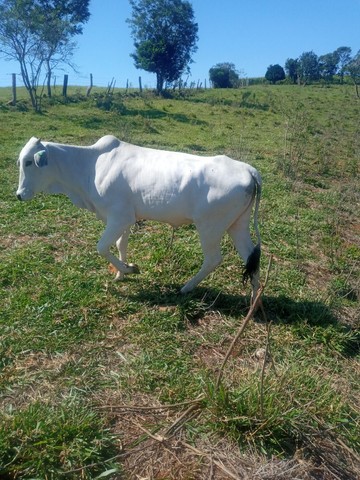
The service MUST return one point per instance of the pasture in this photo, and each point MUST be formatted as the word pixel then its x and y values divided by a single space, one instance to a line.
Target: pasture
pixel 118 380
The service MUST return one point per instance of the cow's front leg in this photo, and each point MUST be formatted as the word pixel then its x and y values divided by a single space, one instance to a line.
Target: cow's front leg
pixel 114 232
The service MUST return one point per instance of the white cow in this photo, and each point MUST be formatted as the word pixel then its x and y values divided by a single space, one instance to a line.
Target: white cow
pixel 123 183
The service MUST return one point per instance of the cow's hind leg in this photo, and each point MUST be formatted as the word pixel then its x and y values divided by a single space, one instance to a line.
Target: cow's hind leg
pixel 212 257
pixel 122 244
pixel 114 232
pixel 240 234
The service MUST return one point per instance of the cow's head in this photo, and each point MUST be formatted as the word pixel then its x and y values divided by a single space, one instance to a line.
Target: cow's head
pixel 33 175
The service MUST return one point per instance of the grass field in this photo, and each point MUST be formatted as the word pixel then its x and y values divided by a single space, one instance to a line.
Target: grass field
pixel 118 380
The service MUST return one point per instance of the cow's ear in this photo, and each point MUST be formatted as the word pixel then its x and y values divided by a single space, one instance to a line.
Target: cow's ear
pixel 40 158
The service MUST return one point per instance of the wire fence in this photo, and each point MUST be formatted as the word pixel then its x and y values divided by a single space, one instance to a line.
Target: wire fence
pixel 79 80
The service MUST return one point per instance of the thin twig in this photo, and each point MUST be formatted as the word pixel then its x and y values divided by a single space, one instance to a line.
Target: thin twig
pixel 238 335
pixel 218 463
pixel 158 438
pixel 253 307
pixel 179 422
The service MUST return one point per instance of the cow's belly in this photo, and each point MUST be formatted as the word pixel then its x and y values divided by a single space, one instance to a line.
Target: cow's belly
pixel 165 213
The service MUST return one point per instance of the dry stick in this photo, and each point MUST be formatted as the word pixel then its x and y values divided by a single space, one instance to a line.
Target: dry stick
pixel 184 417
pixel 218 463
pixel 253 307
pixel 172 406
pixel 175 426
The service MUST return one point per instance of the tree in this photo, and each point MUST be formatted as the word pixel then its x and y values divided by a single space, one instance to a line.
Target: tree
pixel 275 73
pixel 292 69
pixel 344 57
pixel 18 41
pixel 165 36
pixel 38 32
pixel 224 75
pixel 353 69
pixel 308 67
pixel 328 65
pixel 60 21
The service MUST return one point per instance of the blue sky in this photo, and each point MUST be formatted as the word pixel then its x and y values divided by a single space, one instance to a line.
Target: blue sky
pixel 250 34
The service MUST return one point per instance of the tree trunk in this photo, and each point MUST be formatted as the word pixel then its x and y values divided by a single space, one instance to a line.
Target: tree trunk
pixel 28 86
pixel 159 83
pixel 48 78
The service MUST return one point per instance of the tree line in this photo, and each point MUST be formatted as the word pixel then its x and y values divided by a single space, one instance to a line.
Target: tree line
pixel 308 68
pixel 311 68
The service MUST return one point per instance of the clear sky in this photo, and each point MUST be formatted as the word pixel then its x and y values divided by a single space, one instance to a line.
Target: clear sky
pixel 252 34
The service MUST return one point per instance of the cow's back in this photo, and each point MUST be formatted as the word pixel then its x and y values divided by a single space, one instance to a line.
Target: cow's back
pixel 106 144
pixel 170 186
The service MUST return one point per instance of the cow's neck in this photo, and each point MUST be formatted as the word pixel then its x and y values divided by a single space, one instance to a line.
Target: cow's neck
pixel 72 172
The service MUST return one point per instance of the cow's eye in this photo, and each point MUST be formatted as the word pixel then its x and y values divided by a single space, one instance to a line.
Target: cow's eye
pixel 28 163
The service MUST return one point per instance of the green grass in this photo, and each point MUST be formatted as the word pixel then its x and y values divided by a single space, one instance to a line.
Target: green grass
pixel 79 354
pixel 45 441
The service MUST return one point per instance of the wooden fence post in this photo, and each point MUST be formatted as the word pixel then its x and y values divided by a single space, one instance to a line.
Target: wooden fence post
pixel 140 85
pixel 66 79
pixel 13 101
pixel 91 85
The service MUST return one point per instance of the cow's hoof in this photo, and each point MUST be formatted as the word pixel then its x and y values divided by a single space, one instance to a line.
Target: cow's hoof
pixel 134 268
pixel 119 277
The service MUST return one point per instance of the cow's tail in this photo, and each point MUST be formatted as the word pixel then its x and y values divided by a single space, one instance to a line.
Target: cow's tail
pixel 253 261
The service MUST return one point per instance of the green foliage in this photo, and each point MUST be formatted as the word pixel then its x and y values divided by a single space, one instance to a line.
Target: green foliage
pixel 292 68
pixel 353 69
pixel 308 69
pixel 328 65
pixel 275 73
pixel 165 36
pixel 329 68
pixel 224 75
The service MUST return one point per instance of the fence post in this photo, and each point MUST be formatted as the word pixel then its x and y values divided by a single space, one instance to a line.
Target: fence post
pixel 140 85
pixel 66 79
pixel 13 101
pixel 91 85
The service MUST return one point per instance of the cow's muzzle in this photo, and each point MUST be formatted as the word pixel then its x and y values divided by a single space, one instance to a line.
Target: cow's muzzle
pixel 19 197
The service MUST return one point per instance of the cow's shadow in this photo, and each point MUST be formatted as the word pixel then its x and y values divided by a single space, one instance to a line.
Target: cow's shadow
pixel 307 317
